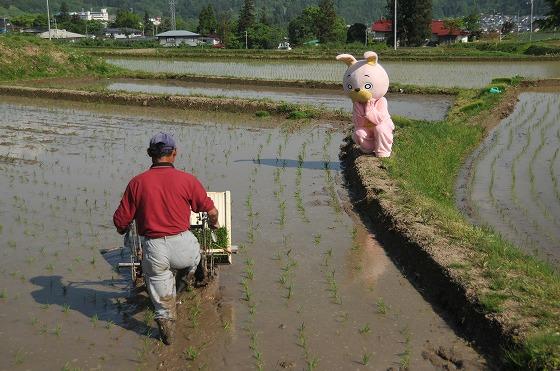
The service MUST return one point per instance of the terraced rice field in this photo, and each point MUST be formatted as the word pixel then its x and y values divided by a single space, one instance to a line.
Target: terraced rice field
pixel 515 182
pixel 443 74
pixel 309 289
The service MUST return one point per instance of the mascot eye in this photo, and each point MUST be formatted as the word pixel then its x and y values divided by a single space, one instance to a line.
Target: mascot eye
pixel 368 86
pixel 349 87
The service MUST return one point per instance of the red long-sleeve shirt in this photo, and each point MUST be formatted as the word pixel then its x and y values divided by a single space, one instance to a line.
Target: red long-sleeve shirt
pixel 161 200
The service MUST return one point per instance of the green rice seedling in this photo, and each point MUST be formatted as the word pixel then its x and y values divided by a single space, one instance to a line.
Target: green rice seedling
pixel 366 358
pixel 19 357
pixel 94 320
pixel 282 208
pixel 251 308
pixel 57 330
pixel 290 291
pixel 227 326
pixel 312 363
pixel 317 239
pixel 249 273
pixel 365 330
pixel 109 324
pixel 3 294
pixel 381 306
pixel 191 353
pixel 66 308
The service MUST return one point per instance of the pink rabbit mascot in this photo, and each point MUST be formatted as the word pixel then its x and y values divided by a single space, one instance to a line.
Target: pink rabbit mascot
pixel 366 82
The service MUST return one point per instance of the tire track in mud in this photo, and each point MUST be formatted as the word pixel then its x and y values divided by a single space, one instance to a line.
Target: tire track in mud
pixel 514 179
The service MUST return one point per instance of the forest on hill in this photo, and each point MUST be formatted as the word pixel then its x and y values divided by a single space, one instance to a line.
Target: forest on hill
pixel 278 11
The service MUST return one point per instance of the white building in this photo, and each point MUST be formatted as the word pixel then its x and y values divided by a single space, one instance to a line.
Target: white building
pixel 101 16
pixel 122 33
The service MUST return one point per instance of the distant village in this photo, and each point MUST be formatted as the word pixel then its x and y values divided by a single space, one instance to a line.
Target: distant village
pixel 379 31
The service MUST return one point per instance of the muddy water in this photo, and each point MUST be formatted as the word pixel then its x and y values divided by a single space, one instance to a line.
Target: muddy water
pixel 447 74
pixel 308 287
pixel 515 183
pixel 416 106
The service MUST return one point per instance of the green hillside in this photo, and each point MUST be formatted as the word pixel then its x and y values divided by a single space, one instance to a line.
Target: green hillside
pixel 279 11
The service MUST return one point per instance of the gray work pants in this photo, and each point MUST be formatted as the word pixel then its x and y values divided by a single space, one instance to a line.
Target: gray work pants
pixel 162 257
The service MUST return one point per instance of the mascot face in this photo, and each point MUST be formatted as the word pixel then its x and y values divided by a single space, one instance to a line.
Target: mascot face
pixel 364 80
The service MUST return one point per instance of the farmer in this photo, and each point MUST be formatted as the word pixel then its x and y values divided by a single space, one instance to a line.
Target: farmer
pixel 160 200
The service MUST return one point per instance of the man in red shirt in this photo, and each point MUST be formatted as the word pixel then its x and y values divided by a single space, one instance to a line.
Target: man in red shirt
pixel 161 200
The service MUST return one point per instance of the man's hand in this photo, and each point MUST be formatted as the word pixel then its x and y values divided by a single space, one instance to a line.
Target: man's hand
pixel 123 231
pixel 213 219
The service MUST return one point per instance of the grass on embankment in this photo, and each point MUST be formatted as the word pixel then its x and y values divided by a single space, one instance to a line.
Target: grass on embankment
pixel 504 50
pixel 31 58
pixel 518 290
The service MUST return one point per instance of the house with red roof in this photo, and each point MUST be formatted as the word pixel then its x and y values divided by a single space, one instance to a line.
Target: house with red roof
pixel 382 30
pixel 447 35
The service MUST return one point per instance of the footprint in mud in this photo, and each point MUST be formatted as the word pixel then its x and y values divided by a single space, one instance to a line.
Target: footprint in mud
pixel 445 358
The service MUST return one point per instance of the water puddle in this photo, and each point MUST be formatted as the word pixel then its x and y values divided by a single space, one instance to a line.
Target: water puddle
pixel 515 187
pixel 307 274
pixel 465 74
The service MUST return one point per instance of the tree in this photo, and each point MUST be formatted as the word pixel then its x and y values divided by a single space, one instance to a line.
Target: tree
pixel 263 17
pixel 454 24
pixel 507 27
pixel 64 15
pixel 472 24
pixel 147 23
pixel 553 19
pixel 356 33
pixel 326 22
pixel 414 18
pixel 262 36
pixel 207 23
pixel 126 19
pixel 303 28
pixel 225 30
pixel 246 17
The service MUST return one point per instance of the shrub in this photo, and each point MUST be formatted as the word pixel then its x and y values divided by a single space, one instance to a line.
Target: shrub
pixel 541 50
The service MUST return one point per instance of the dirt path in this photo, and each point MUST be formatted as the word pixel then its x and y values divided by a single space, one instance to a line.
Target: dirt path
pixel 513 185
pixel 310 288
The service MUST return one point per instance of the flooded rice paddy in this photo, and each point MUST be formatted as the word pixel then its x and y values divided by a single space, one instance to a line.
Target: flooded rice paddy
pixel 415 106
pixel 515 178
pixel 463 74
pixel 310 287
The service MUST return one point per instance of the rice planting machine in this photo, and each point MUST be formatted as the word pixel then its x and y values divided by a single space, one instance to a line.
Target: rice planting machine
pixel 215 244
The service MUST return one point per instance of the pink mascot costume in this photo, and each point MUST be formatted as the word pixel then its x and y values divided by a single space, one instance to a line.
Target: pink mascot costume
pixel 366 82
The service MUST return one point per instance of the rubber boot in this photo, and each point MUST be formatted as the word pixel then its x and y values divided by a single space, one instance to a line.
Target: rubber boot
pixel 166 329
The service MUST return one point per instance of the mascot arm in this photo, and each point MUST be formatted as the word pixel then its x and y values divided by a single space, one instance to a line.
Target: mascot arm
pixel 377 111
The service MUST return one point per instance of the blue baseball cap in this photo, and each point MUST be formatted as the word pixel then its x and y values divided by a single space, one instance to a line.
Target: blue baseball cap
pixel 162 144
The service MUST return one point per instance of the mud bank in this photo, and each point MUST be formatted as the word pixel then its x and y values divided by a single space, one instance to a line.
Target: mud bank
pixel 180 102
pixel 421 251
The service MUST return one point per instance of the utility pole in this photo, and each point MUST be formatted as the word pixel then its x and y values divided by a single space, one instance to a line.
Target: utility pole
pixel 49 19
pixel 246 44
pixel 172 11
pixel 531 34
pixel 395 26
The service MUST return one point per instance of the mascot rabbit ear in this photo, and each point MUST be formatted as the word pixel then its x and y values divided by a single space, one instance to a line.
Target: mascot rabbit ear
pixel 346 58
pixel 371 58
